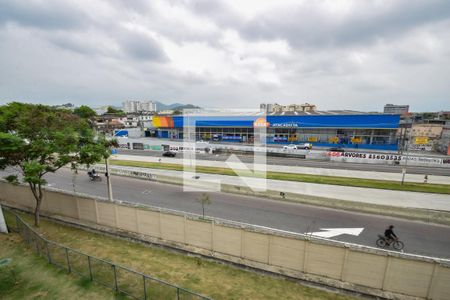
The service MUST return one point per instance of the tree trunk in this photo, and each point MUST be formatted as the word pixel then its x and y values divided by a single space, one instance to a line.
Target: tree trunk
pixel 38 195
pixel 37 211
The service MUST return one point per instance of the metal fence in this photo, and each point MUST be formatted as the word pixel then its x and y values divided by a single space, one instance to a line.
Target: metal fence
pixel 116 277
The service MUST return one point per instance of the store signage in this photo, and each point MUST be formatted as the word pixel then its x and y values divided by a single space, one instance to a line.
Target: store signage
pixel 356 140
pixel 421 140
pixel 370 156
pixel 333 139
pixel 313 139
pixel 261 123
pixel 175 148
pixel 286 125
pixel 392 157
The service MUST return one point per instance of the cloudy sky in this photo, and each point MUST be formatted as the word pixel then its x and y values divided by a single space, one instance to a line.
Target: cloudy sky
pixel 232 53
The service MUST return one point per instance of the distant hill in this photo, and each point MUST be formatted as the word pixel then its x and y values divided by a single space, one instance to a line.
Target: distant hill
pixel 175 106
pixel 185 106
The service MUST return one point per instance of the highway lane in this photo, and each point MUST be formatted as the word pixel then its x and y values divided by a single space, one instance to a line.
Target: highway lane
pixel 419 238
pixel 288 161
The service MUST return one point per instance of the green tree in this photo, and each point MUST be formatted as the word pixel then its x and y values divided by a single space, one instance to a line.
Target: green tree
pixel 37 139
pixel 112 110
pixel 84 112
pixel 204 200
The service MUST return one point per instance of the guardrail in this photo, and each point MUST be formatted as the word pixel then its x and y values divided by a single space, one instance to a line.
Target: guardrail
pixel 123 172
pixel 111 275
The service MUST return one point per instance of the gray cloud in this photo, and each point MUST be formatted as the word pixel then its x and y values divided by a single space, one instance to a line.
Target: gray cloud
pixel 42 14
pixel 311 26
pixel 142 47
pixel 209 53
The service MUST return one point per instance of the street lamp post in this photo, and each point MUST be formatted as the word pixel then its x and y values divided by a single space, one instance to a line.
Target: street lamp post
pixel 407 155
pixel 108 180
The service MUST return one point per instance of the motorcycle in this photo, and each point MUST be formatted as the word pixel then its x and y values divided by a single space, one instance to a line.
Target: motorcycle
pixel 384 242
pixel 94 176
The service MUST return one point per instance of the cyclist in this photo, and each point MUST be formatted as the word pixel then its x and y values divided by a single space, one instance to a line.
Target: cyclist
pixel 389 234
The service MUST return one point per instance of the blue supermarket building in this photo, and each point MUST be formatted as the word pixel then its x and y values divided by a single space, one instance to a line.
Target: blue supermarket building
pixel 346 129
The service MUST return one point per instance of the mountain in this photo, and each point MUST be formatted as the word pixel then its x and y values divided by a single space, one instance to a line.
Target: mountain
pixel 161 106
pixel 185 106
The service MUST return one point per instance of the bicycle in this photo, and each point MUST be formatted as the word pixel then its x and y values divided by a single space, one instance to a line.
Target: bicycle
pixel 384 242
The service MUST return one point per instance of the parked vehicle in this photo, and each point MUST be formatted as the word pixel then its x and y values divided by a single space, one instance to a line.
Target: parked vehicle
pixel 169 154
pixel 202 141
pixel 384 242
pixel 290 147
pixel 306 146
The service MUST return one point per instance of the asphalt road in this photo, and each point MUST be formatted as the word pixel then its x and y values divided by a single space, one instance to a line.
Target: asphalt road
pixel 309 163
pixel 419 238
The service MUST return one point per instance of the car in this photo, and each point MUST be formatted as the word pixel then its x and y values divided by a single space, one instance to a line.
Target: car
pixel 336 149
pixel 290 147
pixel 306 146
pixel 169 154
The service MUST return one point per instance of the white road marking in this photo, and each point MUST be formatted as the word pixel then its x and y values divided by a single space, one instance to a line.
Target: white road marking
pixel 332 232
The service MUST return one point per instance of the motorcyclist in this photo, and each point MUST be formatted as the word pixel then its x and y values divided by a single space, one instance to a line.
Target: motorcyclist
pixel 389 234
pixel 92 174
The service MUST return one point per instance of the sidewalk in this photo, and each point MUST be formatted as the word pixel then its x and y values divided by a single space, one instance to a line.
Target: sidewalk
pixel 426 201
pixel 301 170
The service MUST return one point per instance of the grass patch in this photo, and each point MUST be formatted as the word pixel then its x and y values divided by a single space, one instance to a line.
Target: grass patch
pixel 31 277
pixel 334 180
pixel 207 277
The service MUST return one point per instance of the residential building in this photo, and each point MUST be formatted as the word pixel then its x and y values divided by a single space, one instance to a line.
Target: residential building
pixel 147 106
pixel 444 115
pixel 131 106
pixel 396 109
pixel 429 131
pixel 443 144
pixel 107 123
pixel 277 108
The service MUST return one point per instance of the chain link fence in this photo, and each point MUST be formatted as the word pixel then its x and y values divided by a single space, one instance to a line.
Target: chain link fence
pixel 116 277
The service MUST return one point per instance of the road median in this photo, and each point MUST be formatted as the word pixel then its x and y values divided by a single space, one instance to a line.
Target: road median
pixel 307 178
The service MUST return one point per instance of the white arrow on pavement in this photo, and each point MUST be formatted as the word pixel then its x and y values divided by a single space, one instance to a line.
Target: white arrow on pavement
pixel 332 232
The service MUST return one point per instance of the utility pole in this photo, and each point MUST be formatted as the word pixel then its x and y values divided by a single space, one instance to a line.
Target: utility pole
pixel 108 180
pixel 407 155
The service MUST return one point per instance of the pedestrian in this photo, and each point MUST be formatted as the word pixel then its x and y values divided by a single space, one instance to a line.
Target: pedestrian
pixel 425 179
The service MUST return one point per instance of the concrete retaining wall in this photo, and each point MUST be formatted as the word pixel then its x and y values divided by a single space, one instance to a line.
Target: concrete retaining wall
pixel 363 269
